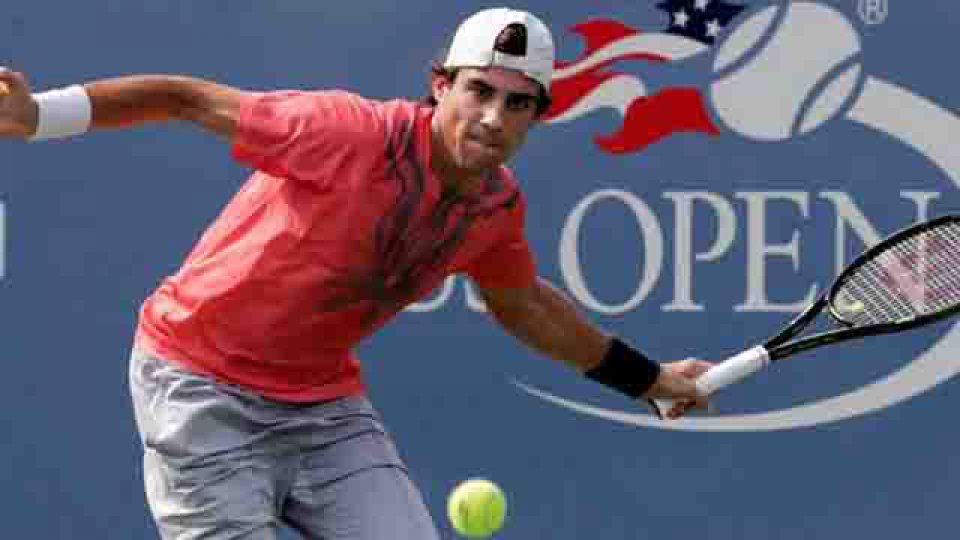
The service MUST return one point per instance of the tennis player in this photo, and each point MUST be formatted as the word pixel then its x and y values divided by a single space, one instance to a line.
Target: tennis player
pixel 246 387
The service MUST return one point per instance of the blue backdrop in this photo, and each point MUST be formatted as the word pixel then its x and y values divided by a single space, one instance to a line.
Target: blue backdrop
pixel 830 127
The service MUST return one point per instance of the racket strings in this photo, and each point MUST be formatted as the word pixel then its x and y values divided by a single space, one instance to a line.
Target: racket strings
pixel 918 275
pixel 923 270
pixel 937 272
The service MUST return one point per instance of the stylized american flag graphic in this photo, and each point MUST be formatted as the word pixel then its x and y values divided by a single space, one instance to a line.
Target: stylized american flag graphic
pixel 586 84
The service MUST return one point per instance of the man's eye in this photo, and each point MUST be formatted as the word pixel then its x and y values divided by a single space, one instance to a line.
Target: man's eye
pixel 480 91
pixel 519 103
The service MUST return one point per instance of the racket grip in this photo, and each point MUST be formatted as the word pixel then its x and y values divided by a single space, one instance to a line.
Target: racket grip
pixel 730 371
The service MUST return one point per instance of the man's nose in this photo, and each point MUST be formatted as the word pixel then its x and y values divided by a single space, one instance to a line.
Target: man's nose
pixel 492 117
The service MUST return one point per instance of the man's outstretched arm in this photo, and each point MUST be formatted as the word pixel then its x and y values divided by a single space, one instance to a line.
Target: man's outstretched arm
pixel 544 319
pixel 121 102
pixel 124 101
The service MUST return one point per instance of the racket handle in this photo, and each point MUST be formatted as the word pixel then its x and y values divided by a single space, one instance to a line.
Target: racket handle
pixel 732 370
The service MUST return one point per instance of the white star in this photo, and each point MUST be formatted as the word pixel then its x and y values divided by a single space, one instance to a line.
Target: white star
pixel 701 4
pixel 681 18
pixel 713 28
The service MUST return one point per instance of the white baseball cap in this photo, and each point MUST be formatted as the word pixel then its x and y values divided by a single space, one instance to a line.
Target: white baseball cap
pixel 483 40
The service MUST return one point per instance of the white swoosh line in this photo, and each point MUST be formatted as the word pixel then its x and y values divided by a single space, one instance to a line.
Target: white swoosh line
pixel 609 94
pixel 927 128
pixel 669 46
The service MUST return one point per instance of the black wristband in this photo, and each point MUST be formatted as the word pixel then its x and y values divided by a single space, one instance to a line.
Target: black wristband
pixel 625 369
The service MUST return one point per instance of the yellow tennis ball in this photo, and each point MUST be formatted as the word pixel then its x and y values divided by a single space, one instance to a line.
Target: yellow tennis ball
pixel 477 508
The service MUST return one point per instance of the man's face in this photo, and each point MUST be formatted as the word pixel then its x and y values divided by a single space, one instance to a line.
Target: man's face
pixel 483 116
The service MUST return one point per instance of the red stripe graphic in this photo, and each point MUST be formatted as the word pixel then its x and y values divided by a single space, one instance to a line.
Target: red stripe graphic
pixel 647 119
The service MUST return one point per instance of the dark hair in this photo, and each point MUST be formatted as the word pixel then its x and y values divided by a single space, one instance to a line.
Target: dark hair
pixel 437 70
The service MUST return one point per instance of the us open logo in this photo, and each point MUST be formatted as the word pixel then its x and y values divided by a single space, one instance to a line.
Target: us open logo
pixel 778 73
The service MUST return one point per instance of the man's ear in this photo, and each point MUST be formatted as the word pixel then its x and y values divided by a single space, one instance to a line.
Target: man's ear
pixel 440 86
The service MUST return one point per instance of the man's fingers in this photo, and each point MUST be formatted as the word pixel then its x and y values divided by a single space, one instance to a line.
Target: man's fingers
pixel 683 406
pixel 5 75
pixel 11 81
pixel 693 367
pixel 699 367
pixel 680 407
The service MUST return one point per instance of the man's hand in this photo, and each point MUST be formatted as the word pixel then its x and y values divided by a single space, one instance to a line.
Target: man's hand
pixel 676 382
pixel 18 110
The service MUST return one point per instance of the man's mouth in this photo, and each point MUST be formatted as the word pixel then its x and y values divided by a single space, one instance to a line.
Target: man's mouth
pixel 484 142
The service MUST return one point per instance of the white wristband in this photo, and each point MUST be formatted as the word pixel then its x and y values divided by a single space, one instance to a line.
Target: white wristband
pixel 62 113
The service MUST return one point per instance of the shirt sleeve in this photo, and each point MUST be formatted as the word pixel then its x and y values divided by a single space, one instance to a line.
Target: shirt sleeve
pixel 510 264
pixel 293 134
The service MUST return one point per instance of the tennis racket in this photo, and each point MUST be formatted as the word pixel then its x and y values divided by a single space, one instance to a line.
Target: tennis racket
pixel 910 279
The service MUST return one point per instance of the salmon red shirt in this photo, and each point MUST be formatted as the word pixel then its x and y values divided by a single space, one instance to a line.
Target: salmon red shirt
pixel 340 227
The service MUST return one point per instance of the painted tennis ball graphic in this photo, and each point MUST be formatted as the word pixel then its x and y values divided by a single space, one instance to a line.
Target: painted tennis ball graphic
pixel 855 307
pixel 793 82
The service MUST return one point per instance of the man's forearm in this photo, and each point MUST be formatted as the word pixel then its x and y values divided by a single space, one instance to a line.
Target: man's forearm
pixel 130 100
pixel 542 317
pixel 115 102
pixel 550 323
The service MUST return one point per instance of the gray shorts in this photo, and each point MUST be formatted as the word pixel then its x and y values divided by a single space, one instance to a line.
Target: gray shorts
pixel 221 463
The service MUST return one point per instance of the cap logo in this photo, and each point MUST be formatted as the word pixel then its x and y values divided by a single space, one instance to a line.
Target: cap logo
pixel 512 40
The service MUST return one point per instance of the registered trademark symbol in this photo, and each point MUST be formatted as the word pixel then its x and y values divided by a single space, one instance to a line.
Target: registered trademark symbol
pixel 873 11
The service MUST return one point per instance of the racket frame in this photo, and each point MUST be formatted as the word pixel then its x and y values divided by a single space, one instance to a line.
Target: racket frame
pixel 777 347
